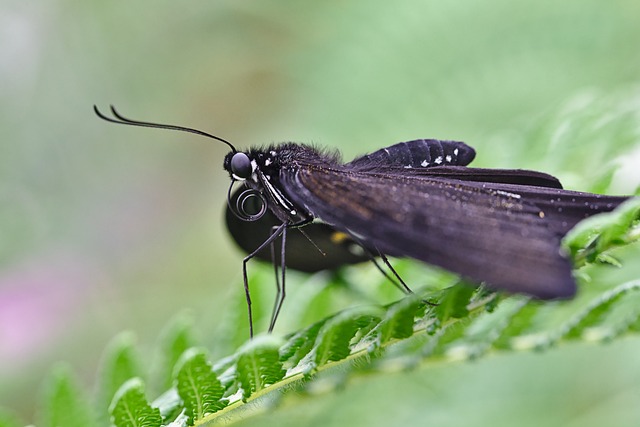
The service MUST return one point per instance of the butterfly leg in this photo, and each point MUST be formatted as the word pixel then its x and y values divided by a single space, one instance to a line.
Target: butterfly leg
pixel 403 286
pixel 280 285
pixel 372 257
pixel 274 262
pixel 278 231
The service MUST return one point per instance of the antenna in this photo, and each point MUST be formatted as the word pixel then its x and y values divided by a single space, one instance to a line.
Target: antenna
pixel 121 120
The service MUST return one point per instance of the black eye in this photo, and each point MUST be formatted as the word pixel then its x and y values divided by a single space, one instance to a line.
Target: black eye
pixel 241 165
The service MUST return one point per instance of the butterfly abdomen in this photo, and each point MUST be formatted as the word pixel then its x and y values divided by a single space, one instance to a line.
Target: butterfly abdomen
pixel 419 153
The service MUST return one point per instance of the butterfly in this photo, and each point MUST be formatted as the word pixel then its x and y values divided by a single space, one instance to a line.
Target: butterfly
pixel 416 199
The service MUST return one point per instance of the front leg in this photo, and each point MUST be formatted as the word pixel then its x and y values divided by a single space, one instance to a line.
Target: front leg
pixel 278 231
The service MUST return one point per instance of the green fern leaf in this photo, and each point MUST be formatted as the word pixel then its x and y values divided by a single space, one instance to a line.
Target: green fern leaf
pixel 399 320
pixel 131 409
pixel 259 364
pixel 619 317
pixel 485 330
pixel 334 340
pixel 176 338
pixel 64 402
pixel 197 385
pixel 454 302
pixel 588 241
pixel 120 363
pixel 299 345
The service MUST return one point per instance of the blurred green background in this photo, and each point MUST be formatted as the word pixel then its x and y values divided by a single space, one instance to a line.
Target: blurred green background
pixel 105 228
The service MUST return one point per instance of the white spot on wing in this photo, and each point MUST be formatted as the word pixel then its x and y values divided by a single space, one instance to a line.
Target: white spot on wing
pixel 424 163
pixel 455 152
pixel 438 160
pixel 506 193
pixel 448 159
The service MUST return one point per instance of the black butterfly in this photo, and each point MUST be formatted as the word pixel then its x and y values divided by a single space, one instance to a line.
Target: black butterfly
pixel 414 199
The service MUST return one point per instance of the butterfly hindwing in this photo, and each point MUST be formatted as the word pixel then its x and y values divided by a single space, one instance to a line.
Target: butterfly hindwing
pixel 330 249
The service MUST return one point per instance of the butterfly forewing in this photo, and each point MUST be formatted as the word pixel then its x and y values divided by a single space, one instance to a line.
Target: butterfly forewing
pixel 472 231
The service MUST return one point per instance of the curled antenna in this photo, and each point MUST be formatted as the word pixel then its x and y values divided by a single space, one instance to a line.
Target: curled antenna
pixel 124 121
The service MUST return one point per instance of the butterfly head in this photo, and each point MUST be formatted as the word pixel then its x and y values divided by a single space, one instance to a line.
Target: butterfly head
pixel 239 165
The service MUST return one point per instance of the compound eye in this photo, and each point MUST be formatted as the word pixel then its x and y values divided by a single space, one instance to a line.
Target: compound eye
pixel 241 165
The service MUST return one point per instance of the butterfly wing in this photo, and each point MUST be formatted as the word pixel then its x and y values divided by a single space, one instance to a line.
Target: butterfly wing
pixel 482 233
pixel 443 158
pixel 498 176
